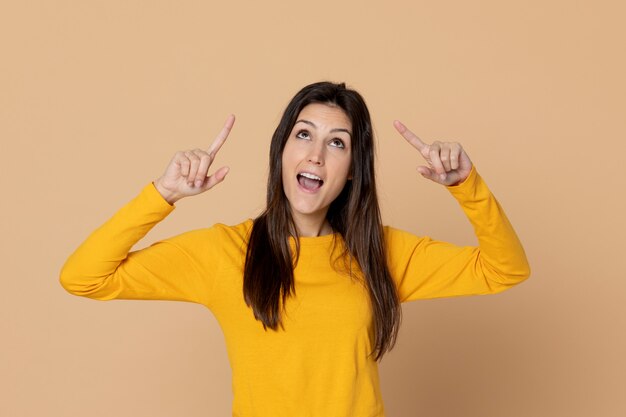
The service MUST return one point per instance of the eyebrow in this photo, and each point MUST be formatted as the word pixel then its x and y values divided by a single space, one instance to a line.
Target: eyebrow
pixel 332 130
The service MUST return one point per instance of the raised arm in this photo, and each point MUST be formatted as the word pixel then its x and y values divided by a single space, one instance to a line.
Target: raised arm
pixel 425 268
pixel 103 268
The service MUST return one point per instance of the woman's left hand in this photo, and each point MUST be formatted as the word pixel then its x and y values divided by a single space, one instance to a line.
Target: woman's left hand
pixel 448 164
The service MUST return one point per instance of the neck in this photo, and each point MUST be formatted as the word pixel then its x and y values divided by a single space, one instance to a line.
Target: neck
pixel 312 226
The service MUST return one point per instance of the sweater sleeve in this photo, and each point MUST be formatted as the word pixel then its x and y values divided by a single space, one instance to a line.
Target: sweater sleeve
pixel 102 267
pixel 425 268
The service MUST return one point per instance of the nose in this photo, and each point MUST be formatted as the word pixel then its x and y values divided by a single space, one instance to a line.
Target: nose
pixel 316 155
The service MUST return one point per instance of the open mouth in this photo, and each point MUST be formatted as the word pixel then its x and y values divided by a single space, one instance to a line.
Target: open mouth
pixel 309 182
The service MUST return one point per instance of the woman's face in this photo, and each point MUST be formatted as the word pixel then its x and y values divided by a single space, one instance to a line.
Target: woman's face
pixel 316 161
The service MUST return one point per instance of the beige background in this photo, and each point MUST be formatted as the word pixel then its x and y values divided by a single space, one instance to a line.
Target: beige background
pixel 96 96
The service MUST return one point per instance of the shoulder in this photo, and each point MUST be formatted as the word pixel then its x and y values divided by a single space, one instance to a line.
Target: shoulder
pixel 397 240
pixel 220 235
pixel 215 247
pixel 393 234
pixel 239 232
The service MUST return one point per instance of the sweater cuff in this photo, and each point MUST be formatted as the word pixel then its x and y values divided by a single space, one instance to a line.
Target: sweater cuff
pixel 468 186
pixel 151 197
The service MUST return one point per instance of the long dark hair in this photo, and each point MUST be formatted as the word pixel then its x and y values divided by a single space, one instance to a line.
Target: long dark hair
pixel 354 214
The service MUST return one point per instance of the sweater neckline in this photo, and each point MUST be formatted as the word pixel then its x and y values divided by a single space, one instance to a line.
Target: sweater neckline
pixel 316 240
pixel 309 240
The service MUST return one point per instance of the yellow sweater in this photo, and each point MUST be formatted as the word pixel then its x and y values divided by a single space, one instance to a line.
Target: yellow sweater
pixel 318 365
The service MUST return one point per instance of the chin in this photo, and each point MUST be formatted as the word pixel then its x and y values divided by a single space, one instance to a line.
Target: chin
pixel 305 210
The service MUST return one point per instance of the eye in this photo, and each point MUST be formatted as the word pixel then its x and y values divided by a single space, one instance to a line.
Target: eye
pixel 337 143
pixel 303 134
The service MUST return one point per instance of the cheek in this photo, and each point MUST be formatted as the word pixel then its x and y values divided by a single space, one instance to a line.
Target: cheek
pixel 341 173
pixel 289 154
pixel 287 165
pixel 347 165
pixel 285 158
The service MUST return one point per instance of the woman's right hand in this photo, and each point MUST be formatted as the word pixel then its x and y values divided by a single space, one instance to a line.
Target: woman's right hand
pixel 186 174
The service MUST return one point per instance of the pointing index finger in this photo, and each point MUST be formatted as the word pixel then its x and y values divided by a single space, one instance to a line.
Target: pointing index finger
pixel 221 137
pixel 411 137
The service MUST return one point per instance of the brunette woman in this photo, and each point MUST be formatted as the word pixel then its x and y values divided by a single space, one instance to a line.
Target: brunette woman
pixel 308 293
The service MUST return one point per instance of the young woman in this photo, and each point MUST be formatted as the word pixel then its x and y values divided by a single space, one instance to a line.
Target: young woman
pixel 307 294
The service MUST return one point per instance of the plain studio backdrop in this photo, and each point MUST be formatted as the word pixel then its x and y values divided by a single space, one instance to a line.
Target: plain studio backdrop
pixel 96 97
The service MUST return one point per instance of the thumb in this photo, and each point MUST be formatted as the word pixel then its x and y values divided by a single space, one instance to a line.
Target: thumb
pixel 217 177
pixel 427 173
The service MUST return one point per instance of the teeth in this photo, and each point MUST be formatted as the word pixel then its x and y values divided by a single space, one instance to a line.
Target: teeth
pixel 311 176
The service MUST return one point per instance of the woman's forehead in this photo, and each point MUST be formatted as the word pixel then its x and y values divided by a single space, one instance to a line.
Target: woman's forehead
pixel 323 115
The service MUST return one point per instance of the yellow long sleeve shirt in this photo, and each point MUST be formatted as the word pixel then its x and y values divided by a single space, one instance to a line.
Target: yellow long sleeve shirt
pixel 319 364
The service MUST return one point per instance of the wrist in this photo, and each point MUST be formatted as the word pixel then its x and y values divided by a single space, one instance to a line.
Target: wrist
pixel 167 195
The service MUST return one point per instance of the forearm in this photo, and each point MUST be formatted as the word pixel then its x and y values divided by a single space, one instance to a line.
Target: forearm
pixel 102 252
pixel 501 257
